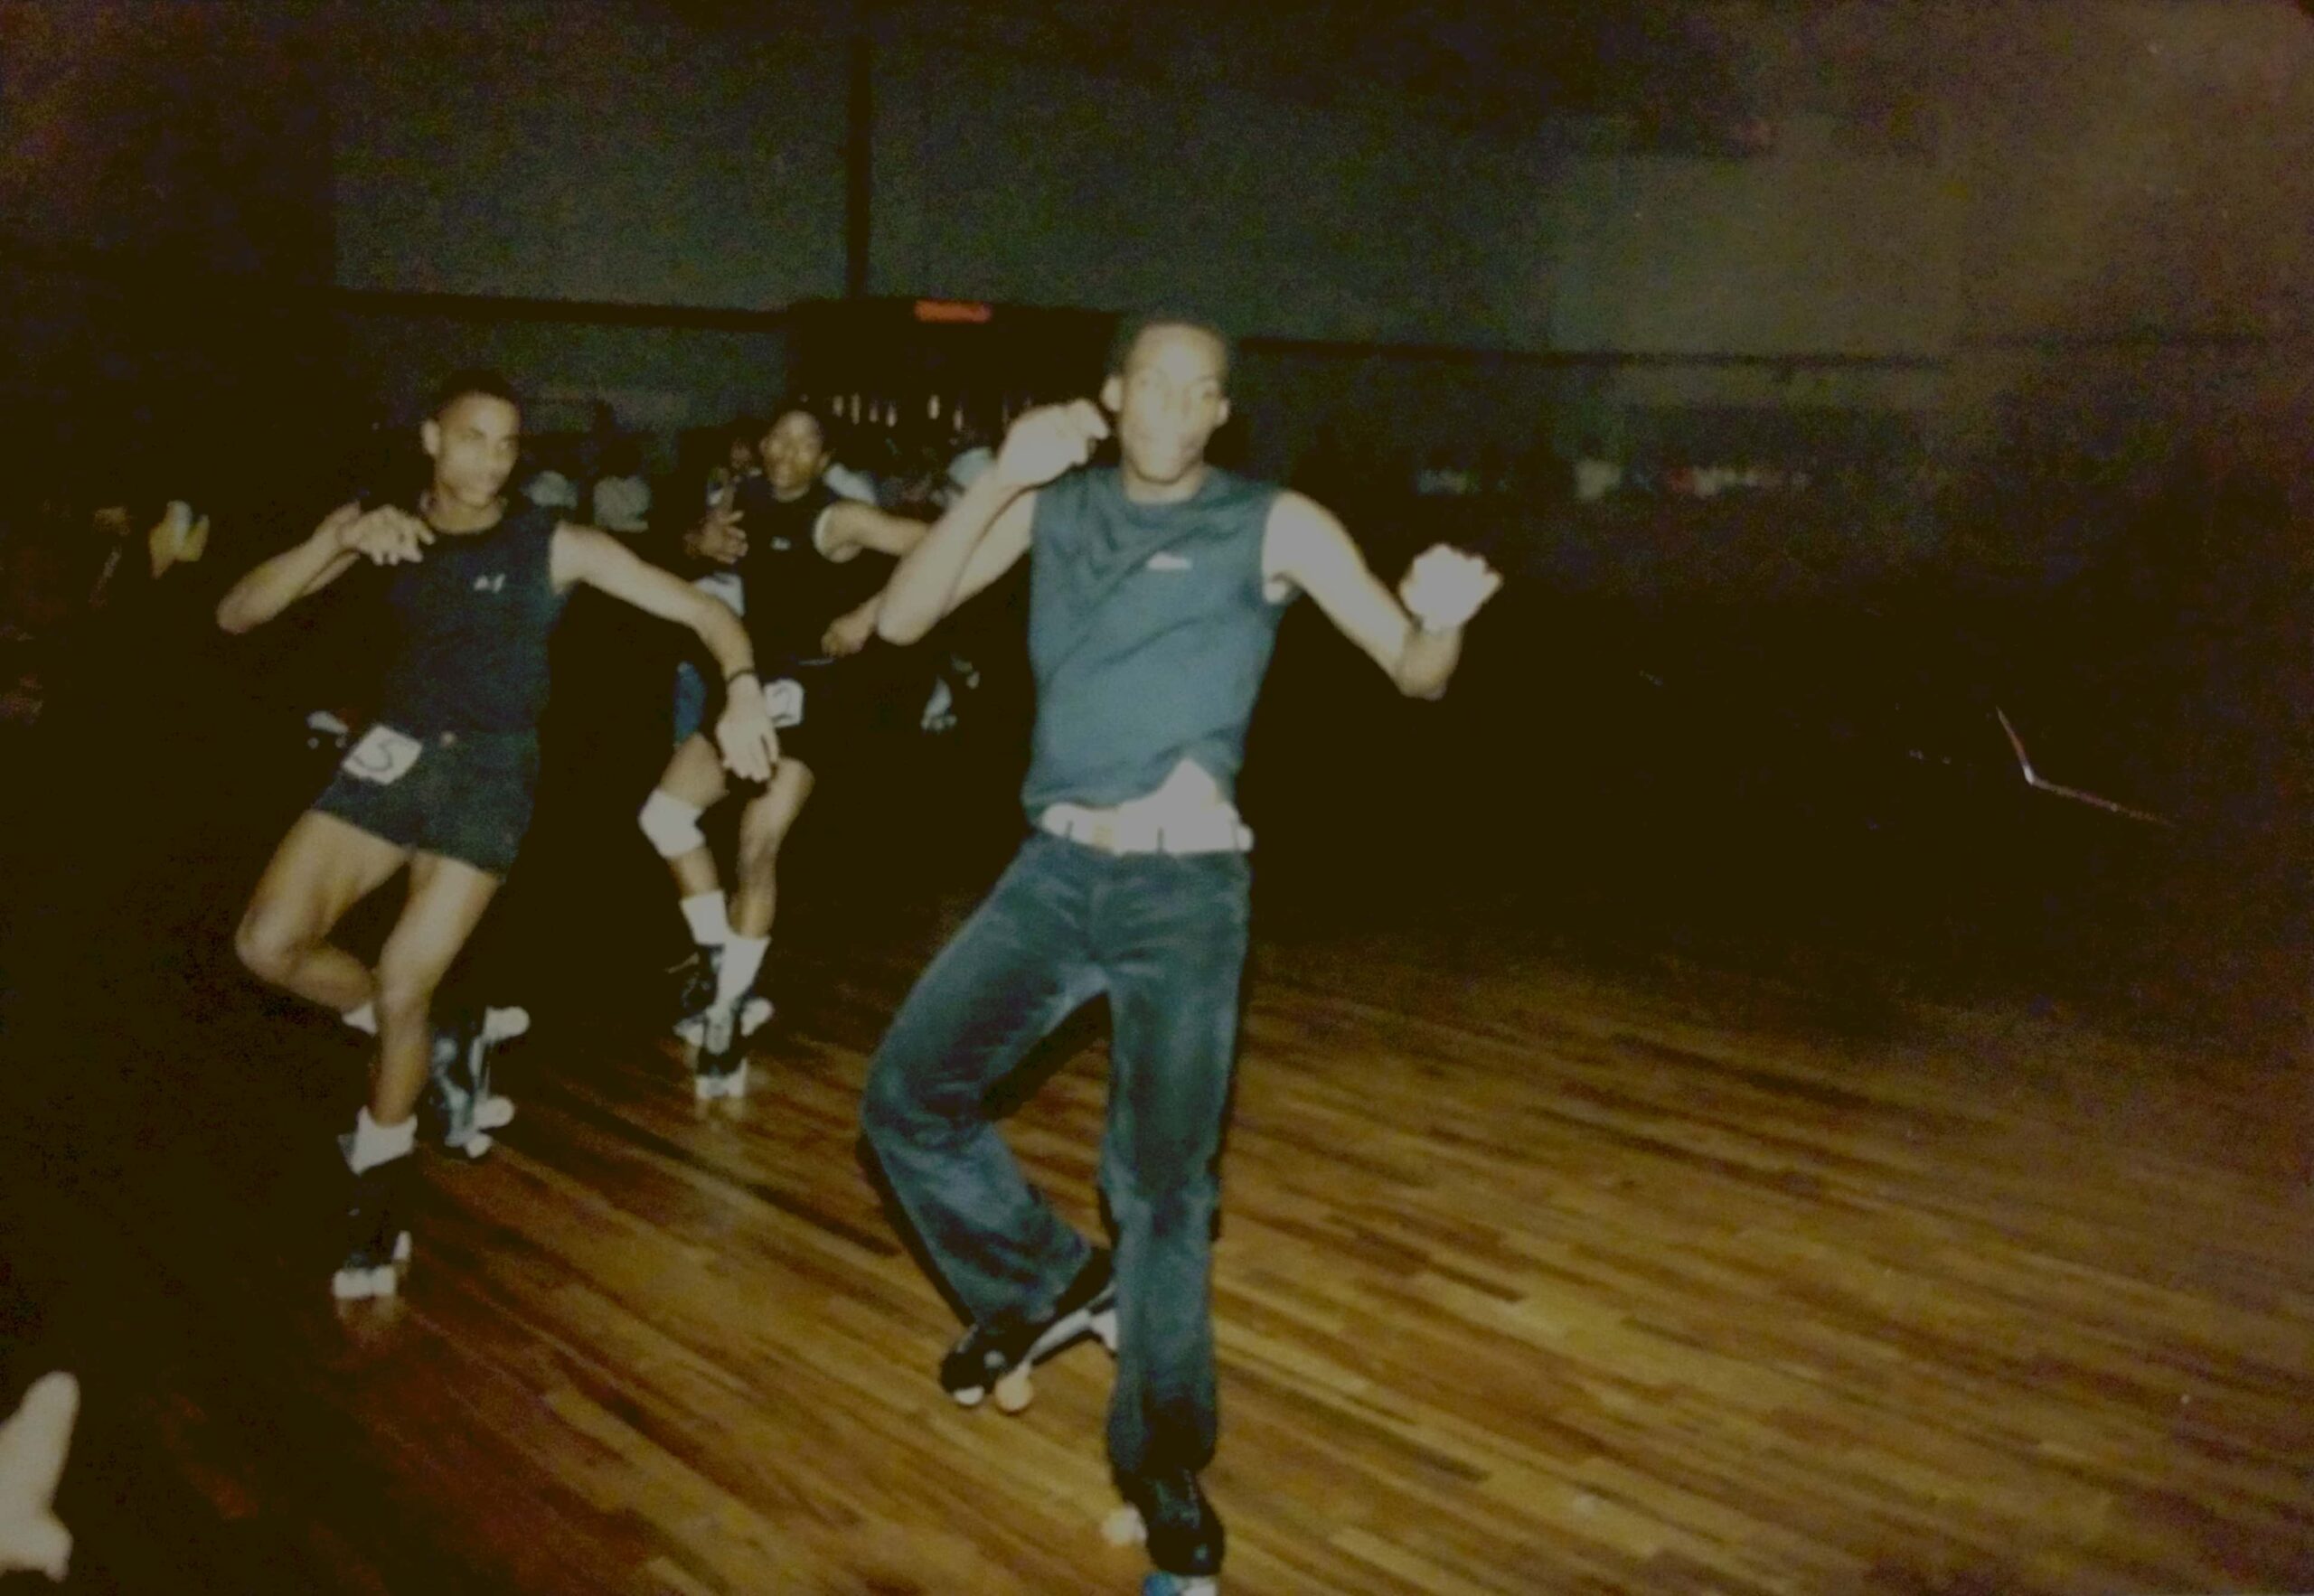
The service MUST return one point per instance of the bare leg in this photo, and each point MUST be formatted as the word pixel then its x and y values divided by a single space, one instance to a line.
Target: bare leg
pixel 695 776
pixel 447 900
pixel 323 866
pixel 763 828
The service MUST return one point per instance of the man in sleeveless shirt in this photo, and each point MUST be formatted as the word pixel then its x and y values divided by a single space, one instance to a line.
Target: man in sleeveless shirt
pixel 809 602
pixel 442 781
pixel 1155 589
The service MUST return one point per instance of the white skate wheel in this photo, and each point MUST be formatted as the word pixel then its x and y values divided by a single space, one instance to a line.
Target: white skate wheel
pixel 360 1285
pixel 493 1112
pixel 1124 1527
pixel 1016 1390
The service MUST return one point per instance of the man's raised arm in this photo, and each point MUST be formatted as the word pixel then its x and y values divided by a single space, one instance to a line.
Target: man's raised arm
pixel 986 530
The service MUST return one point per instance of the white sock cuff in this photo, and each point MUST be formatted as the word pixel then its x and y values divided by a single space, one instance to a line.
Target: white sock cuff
pixel 742 958
pixel 375 1144
pixel 708 918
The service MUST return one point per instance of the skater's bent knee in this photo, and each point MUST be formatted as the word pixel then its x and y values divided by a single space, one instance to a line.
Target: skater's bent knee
pixel 269 944
pixel 895 1112
pixel 1179 1207
pixel 671 824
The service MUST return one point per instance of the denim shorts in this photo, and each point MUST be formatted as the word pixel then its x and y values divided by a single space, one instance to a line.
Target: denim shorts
pixel 463 794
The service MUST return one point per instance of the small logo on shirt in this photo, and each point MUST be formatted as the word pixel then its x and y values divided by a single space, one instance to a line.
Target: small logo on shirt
pixel 496 584
pixel 1164 559
pixel 781 545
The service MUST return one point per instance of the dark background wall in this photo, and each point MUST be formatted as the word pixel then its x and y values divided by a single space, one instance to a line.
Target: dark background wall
pixel 2055 254
pixel 2071 214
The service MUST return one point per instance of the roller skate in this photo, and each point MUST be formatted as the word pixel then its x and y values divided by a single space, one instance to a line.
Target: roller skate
pixel 464 1108
pixel 695 980
pixel 377 1238
pixel 1168 1513
pixel 718 1058
pixel 1002 1356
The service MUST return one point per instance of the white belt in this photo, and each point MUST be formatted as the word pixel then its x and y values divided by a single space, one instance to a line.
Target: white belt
pixel 1117 831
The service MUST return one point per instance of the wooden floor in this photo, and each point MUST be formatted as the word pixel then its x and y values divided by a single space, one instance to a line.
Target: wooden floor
pixel 1534 1279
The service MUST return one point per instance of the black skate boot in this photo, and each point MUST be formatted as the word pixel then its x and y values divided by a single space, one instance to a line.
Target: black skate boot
pixel 694 992
pixel 720 1061
pixel 1002 1356
pixel 1168 1510
pixel 377 1234
pixel 696 978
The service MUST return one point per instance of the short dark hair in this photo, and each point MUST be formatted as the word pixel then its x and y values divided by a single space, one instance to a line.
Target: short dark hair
pixel 797 407
pixel 474 379
pixel 1131 327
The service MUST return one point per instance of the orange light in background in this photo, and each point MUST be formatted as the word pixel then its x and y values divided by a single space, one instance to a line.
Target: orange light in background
pixel 951 310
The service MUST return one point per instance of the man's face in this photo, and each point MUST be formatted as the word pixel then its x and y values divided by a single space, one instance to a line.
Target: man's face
pixel 1168 401
pixel 474 443
pixel 794 452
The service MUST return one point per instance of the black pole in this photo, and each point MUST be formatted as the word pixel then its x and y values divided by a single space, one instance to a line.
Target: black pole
pixel 858 153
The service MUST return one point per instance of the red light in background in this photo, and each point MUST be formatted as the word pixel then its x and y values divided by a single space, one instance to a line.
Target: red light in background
pixel 951 310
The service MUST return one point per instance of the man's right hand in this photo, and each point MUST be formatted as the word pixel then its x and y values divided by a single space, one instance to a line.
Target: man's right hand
pixel 386 535
pixel 719 538
pixel 1049 440
pixel 744 734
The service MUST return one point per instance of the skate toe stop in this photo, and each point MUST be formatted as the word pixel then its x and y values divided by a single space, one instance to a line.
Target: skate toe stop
pixel 1124 1527
pixel 1015 1391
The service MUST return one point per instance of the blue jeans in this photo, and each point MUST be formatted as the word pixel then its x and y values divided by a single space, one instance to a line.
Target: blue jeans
pixel 690 701
pixel 1164 937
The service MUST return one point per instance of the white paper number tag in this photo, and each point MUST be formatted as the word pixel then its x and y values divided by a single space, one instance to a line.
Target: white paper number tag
pixel 383 756
pixel 783 700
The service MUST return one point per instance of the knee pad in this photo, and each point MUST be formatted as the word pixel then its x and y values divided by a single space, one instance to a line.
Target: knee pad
pixel 671 824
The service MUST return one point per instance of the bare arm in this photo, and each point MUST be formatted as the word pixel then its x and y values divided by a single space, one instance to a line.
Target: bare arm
pixel 849 633
pixel 847 527
pixel 588 555
pixel 296 572
pixel 1308 547
pixel 983 533
pixel 743 732
pixel 986 530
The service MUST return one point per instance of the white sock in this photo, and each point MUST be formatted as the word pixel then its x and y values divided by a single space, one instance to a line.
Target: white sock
pixel 742 957
pixel 710 924
pixel 375 1144
pixel 364 1018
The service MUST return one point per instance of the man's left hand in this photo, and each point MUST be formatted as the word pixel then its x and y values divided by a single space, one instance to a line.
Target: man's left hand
pixel 1445 587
